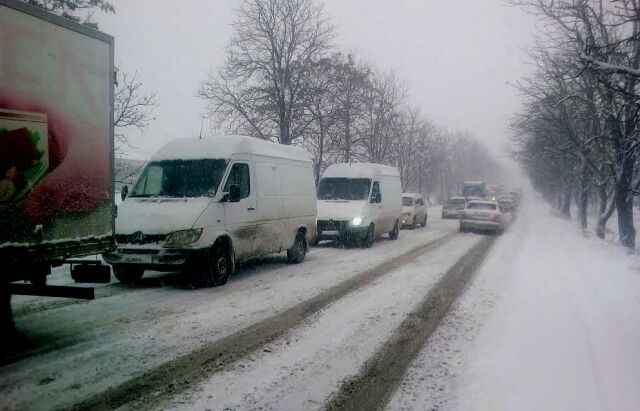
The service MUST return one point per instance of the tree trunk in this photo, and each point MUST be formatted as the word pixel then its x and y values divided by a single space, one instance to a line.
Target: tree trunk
pixel 606 210
pixel 565 206
pixel 347 137
pixel 583 198
pixel 623 195
pixel 624 207
pixel 582 208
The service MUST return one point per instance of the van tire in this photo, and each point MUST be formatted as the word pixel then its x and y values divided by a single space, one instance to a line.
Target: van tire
pixel 393 234
pixel 414 223
pixel 128 274
pixel 298 250
pixel 370 237
pixel 216 269
pixel 423 224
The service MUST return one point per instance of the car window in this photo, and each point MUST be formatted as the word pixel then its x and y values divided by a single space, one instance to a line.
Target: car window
pixel 239 175
pixel 375 190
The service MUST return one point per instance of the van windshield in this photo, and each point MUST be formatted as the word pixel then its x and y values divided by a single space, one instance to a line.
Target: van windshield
pixel 344 188
pixel 180 178
pixel 407 201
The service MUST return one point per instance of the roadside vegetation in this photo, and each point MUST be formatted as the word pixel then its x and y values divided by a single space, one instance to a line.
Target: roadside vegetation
pixel 285 80
pixel 577 135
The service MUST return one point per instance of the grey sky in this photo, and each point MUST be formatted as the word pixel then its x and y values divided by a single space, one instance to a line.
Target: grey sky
pixel 455 56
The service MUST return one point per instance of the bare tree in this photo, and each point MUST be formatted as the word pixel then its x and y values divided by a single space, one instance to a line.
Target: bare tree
pixel 133 108
pixel 600 43
pixel 71 8
pixel 381 119
pixel 261 88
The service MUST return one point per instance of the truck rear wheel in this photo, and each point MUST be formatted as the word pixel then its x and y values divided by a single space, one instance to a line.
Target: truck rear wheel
pixel 297 252
pixel 128 274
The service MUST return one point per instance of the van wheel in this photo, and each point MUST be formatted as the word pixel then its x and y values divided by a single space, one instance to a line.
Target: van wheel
pixel 393 234
pixel 128 274
pixel 216 269
pixel 370 237
pixel 424 222
pixel 299 249
pixel 414 223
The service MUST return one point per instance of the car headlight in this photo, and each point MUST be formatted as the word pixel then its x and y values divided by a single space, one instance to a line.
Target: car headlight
pixel 183 237
pixel 356 221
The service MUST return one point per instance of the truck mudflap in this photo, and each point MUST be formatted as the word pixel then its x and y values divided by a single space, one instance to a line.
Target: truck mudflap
pixel 83 271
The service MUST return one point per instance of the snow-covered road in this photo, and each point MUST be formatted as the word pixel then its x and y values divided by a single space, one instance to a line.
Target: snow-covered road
pixel 551 322
pixel 75 351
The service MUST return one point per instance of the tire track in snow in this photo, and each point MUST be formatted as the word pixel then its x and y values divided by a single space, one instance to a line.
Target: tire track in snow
pixel 373 387
pixel 158 384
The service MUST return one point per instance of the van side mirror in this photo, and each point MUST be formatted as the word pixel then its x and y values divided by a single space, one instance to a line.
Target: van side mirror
pixel 124 192
pixel 234 193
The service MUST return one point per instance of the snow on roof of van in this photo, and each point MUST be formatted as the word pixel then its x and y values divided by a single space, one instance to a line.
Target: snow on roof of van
pixel 224 147
pixel 359 170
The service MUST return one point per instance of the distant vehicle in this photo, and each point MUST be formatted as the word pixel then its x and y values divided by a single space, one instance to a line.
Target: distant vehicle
pixel 414 210
pixel 482 216
pixel 474 189
pixel 453 207
pixel 474 198
pixel 358 202
pixel 515 195
pixel 508 203
pixel 201 206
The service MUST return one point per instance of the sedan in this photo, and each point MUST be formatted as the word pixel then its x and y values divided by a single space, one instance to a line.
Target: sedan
pixel 480 215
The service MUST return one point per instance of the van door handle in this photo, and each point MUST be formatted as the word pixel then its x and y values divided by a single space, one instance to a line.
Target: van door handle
pixel 251 208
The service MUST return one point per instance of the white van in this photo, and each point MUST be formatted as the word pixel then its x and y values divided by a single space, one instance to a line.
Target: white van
pixel 358 202
pixel 201 206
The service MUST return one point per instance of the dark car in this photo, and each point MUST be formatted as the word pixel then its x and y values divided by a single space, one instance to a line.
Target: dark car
pixel 453 207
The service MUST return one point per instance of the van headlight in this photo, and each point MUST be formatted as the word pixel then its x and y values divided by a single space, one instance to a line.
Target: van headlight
pixel 183 237
pixel 356 221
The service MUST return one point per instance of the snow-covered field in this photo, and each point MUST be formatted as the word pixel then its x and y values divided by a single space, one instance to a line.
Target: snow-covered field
pixel 549 323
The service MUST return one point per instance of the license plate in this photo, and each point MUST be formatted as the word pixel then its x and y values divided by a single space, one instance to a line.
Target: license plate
pixel 330 232
pixel 137 259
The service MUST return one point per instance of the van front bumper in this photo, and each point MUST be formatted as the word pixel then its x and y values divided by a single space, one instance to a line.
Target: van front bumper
pixel 339 230
pixel 406 219
pixel 161 259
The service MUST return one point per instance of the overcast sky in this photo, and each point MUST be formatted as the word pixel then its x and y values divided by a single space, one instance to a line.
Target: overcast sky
pixel 456 57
